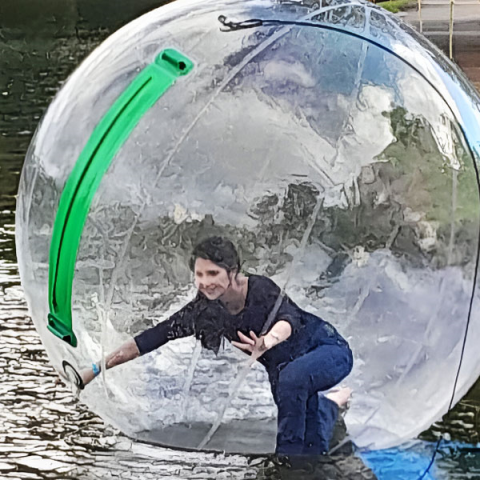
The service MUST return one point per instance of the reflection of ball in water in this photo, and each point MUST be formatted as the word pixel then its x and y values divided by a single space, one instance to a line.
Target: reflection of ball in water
pixel 243 132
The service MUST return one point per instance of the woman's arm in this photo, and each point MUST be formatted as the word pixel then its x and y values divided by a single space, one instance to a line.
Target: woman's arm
pixel 277 334
pixel 126 352
pixel 180 324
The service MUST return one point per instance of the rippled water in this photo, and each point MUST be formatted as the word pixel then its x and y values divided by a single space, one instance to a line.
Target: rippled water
pixel 44 431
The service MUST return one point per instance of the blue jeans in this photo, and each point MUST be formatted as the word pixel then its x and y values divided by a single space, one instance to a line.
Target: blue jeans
pixel 305 417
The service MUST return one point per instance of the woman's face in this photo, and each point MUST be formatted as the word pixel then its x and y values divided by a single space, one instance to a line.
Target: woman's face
pixel 213 281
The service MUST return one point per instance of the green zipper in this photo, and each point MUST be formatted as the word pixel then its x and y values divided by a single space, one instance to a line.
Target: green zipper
pixel 107 138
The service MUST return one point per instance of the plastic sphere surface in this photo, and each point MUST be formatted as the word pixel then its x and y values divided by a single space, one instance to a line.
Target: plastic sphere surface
pixel 334 118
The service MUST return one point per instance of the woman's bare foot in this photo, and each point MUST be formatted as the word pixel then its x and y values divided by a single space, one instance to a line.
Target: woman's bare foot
pixel 340 396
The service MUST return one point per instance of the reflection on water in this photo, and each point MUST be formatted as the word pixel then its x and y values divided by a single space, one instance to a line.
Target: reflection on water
pixel 44 432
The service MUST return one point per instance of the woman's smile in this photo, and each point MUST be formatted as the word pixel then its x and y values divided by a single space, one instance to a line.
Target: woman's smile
pixel 210 291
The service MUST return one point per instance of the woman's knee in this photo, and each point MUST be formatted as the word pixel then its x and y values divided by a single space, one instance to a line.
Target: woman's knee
pixel 346 362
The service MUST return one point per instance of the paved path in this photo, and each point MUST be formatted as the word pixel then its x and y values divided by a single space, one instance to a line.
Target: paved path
pixel 466 39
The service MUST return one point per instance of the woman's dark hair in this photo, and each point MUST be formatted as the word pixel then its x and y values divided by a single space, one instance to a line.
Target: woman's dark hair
pixel 218 250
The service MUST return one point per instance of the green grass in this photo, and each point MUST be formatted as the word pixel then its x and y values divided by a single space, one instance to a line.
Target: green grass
pixel 396 6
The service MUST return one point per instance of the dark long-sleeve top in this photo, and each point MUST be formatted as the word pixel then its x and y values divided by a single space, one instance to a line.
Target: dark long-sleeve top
pixel 210 321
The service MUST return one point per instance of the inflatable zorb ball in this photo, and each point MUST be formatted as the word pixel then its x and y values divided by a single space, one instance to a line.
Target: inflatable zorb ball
pixel 329 137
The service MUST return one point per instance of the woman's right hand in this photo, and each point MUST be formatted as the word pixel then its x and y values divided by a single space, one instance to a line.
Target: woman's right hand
pixel 126 352
pixel 87 376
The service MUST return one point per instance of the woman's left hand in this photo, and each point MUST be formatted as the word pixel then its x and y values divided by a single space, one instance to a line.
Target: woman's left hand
pixel 253 344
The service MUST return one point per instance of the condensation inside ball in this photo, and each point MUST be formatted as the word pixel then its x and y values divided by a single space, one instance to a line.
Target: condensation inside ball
pixel 271 121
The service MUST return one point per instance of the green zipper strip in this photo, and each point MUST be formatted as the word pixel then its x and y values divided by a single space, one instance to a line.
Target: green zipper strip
pixel 107 138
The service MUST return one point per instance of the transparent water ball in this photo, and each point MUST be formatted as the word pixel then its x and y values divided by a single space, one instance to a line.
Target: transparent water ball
pixel 335 116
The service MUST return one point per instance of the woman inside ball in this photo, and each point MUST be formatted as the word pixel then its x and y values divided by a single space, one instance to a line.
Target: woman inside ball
pixel 303 355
